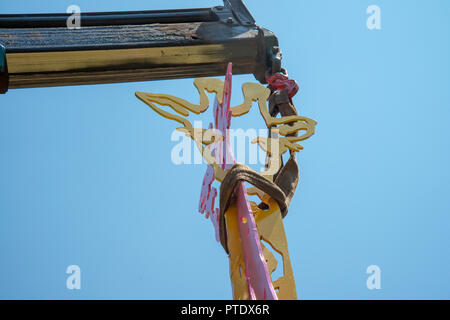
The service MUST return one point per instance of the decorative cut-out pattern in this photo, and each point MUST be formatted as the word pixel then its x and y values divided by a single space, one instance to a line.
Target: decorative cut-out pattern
pixel 248 226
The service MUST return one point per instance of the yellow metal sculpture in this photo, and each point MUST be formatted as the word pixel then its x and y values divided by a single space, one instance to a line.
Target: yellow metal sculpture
pixel 271 230
pixel 252 92
pixel 268 220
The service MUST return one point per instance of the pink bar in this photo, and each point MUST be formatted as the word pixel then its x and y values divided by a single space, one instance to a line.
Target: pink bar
pixel 258 277
pixel 257 272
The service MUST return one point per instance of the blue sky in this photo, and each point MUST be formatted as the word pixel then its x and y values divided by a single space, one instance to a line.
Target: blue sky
pixel 87 179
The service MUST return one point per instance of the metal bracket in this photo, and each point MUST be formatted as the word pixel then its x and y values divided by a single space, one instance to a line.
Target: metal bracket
pixel 4 77
pixel 240 11
pixel 275 56
pixel 234 12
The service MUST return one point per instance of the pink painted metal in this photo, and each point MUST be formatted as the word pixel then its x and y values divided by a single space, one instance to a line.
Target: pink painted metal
pixel 207 199
pixel 207 195
pixel 258 277
pixel 280 81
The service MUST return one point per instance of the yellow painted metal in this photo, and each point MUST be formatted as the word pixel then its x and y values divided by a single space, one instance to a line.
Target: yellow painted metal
pixel 252 92
pixel 257 92
pixel 271 230
pixel 236 258
pixel 73 60
pixel 269 222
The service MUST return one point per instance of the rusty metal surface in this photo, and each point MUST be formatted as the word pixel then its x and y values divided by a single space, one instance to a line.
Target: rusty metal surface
pixel 117 37
pixel 56 56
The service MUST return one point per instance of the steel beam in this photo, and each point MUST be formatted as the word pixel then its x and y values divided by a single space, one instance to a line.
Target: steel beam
pixel 135 46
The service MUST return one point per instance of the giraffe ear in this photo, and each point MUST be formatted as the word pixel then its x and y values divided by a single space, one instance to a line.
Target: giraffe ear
pixel 148 100
pixel 177 104
pixel 141 95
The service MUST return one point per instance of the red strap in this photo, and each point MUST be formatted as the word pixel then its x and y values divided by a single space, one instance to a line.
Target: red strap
pixel 280 81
